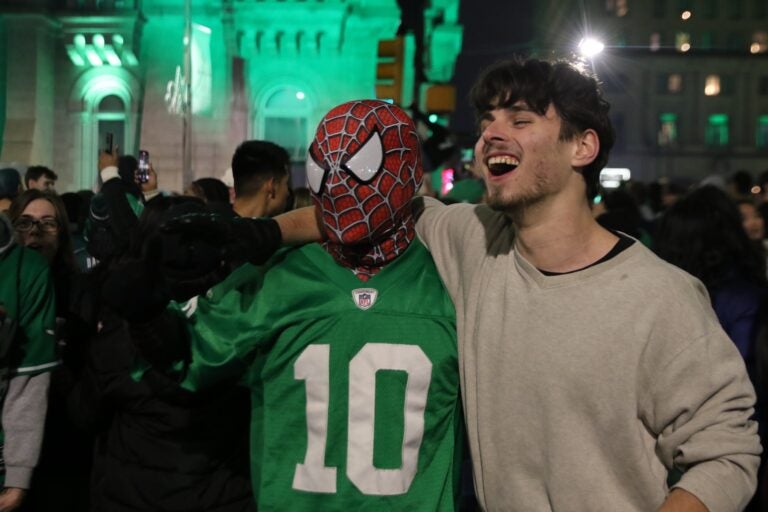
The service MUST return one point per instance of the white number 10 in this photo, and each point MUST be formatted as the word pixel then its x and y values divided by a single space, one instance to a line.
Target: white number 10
pixel 312 366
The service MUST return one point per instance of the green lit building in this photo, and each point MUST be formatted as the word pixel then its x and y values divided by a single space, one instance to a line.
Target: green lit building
pixel 73 70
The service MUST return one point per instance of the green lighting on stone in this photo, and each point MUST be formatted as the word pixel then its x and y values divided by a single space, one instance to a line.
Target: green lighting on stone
pixel 93 57
pixel 75 57
pixel 118 40
pixel 129 58
pixel 112 57
pixel 79 40
pixel 98 41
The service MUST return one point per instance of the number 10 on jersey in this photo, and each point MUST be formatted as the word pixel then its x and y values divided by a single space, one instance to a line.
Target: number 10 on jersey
pixel 313 367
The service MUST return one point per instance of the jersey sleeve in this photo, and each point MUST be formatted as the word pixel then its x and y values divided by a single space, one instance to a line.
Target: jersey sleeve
pixel 228 327
pixel 37 320
pixel 459 237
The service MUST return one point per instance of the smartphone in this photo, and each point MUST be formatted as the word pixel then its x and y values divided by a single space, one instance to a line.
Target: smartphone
pixel 143 173
pixel 108 147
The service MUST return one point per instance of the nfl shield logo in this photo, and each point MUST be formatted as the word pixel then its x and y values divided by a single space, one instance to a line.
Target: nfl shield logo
pixel 364 298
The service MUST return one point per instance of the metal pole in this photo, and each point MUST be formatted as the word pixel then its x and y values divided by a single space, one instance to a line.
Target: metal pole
pixel 186 143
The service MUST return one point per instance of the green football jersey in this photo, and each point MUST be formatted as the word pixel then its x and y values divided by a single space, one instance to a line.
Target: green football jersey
pixel 355 385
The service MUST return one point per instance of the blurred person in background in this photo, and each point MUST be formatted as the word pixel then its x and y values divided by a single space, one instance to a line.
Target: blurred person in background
pixel 41 178
pixel 76 205
pixel 160 448
pixel 212 191
pixel 261 172
pixel 27 355
pixel 10 187
pixel 740 184
pixel 703 234
pixel 61 478
pixel 622 214
pixel 754 225
pixel 301 198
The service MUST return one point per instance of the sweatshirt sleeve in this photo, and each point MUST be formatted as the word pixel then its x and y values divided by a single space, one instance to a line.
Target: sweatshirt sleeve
pixel 23 420
pixel 459 237
pixel 698 401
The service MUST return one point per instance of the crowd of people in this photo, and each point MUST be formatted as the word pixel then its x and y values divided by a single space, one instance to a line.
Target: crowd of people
pixel 357 344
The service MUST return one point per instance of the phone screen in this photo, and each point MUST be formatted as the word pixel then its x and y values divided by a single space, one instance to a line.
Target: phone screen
pixel 143 172
pixel 108 146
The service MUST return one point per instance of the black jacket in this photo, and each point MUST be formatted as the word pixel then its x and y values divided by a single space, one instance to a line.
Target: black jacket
pixel 159 447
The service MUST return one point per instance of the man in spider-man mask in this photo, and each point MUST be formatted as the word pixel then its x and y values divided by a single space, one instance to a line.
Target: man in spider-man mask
pixel 349 347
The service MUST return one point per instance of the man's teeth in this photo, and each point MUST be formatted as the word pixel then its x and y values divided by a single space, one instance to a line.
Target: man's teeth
pixel 502 164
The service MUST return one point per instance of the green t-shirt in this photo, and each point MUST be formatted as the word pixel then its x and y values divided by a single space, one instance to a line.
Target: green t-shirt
pixel 355 385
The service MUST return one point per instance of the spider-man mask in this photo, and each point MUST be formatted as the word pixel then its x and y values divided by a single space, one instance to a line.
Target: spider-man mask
pixel 363 168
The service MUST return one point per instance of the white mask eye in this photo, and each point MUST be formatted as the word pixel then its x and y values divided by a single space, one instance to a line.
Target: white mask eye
pixel 365 164
pixel 315 174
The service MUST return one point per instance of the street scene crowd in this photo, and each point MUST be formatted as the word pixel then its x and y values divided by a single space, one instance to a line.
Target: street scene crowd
pixel 530 341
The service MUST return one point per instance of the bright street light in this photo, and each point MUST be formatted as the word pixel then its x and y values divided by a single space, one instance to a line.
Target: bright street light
pixel 589 47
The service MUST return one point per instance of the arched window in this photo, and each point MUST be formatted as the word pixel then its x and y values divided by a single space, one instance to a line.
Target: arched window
pixel 110 118
pixel 103 100
pixel 285 120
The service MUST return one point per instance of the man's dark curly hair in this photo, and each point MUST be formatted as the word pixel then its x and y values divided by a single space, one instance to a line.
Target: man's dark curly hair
pixel 576 96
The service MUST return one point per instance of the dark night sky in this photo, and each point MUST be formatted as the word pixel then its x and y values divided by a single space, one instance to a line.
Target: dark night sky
pixel 493 30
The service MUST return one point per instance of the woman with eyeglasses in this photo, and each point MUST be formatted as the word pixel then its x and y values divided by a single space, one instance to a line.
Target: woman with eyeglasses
pixel 41 223
pixel 62 475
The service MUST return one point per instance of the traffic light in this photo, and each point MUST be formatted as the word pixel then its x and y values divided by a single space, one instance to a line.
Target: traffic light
pixel 440 99
pixel 389 70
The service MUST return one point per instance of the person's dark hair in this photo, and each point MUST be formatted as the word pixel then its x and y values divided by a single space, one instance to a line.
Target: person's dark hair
pixel 762 179
pixel 64 261
pixel 9 183
pixel 742 182
pixel 702 233
pixel 255 162
pixel 622 213
pixel 127 166
pixel 155 213
pixel 77 209
pixel 36 171
pixel 575 95
pixel 213 190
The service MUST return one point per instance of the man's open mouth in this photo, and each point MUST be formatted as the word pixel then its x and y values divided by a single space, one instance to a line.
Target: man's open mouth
pixel 500 165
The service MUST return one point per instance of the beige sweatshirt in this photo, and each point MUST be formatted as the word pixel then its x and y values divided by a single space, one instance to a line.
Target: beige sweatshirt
pixel 581 391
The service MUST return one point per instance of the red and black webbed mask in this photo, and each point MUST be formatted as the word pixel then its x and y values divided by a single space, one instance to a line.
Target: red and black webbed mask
pixel 363 169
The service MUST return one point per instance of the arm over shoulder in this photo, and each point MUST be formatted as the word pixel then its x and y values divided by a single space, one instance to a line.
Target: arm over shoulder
pixel 460 236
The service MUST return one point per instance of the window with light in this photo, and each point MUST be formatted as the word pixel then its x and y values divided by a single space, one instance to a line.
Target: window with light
pixel 717 130
pixel 667 135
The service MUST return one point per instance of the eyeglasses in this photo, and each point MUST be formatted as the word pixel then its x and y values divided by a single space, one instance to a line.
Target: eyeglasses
pixel 47 224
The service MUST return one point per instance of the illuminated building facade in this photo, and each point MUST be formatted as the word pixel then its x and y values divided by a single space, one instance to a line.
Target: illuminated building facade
pixel 687 80
pixel 73 70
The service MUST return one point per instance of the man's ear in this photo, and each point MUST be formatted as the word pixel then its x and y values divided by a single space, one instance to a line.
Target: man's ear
pixel 587 148
pixel 270 188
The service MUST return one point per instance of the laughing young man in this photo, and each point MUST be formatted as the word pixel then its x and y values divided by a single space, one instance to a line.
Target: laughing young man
pixel 590 369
